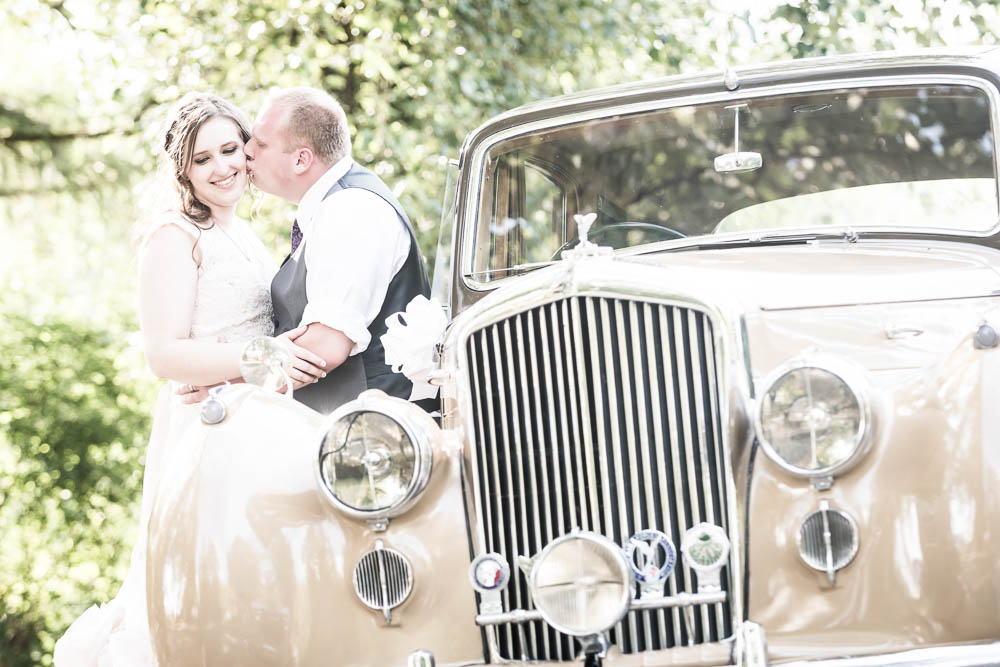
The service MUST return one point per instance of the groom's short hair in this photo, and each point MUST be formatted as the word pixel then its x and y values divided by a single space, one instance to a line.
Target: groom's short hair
pixel 313 118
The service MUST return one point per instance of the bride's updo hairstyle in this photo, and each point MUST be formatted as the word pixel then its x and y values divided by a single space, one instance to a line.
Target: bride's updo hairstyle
pixel 185 119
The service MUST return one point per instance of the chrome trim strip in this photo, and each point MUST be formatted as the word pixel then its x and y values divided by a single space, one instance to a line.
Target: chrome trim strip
pixel 537 420
pixel 668 335
pixel 606 407
pixel 679 600
pixel 661 466
pixel 682 343
pixel 714 402
pixel 470 221
pixel 570 361
pixel 588 442
pixel 570 397
pixel 476 480
pixel 525 451
pixel 697 325
pixel 498 542
pixel 511 548
pixel 638 520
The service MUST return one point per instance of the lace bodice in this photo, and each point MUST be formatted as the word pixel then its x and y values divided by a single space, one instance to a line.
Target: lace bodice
pixel 233 302
pixel 233 298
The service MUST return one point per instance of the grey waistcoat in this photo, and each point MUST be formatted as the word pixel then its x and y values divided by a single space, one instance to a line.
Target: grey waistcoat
pixel 368 369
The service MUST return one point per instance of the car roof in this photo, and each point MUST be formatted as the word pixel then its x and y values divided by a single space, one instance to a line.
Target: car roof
pixel 803 69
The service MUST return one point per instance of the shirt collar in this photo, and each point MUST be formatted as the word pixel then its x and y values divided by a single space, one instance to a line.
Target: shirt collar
pixel 310 202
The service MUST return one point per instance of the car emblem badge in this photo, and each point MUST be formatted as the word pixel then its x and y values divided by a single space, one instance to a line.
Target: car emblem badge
pixel 706 551
pixel 489 575
pixel 651 555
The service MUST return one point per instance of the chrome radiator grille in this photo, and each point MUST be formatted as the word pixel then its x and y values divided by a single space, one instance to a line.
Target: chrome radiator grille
pixel 602 414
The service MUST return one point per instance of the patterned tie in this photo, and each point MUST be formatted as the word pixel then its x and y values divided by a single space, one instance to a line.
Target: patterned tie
pixel 296 236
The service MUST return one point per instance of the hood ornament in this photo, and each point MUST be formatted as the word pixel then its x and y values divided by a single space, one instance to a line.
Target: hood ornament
pixel 586 247
pixel 583 224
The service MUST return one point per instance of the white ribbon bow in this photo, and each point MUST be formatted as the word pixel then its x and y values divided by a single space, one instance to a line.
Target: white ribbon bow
pixel 410 342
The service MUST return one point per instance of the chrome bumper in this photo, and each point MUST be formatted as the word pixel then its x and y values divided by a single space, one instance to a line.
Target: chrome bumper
pixel 967 655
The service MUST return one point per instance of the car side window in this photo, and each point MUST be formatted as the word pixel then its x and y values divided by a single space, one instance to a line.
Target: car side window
pixel 528 208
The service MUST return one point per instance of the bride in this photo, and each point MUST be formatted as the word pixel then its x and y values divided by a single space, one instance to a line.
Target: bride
pixel 204 291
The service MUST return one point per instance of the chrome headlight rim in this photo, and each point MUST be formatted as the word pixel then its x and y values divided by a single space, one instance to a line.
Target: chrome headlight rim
pixel 855 378
pixel 415 428
pixel 602 541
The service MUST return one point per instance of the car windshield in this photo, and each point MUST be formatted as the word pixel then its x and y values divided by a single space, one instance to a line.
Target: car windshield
pixel 899 157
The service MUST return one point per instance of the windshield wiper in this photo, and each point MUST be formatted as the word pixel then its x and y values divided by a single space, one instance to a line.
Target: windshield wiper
pixel 510 270
pixel 848 235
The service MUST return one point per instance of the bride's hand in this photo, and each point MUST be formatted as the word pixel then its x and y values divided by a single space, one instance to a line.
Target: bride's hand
pixel 307 367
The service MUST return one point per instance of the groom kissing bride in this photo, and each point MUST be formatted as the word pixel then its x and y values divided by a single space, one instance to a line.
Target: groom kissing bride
pixel 354 258
pixel 203 294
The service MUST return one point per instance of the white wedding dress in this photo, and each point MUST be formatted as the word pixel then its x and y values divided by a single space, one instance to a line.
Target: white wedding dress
pixel 232 304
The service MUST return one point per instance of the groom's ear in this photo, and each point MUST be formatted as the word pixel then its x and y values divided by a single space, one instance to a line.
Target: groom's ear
pixel 304 159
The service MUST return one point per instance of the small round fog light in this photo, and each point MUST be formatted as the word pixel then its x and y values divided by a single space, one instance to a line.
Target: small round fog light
pixel 581 584
pixel 828 540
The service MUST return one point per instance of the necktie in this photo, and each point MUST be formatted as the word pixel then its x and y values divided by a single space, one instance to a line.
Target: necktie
pixel 296 236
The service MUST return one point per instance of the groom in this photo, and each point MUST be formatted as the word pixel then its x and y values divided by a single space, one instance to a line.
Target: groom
pixel 354 259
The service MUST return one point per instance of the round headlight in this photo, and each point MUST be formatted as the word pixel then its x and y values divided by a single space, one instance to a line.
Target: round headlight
pixel 374 461
pixel 581 584
pixel 814 420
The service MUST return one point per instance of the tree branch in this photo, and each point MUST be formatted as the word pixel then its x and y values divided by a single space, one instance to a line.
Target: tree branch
pixel 55 137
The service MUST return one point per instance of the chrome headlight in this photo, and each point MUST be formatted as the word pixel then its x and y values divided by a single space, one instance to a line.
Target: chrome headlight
pixel 814 419
pixel 375 456
pixel 581 584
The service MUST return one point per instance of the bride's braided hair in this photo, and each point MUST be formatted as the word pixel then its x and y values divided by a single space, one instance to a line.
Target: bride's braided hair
pixel 190 113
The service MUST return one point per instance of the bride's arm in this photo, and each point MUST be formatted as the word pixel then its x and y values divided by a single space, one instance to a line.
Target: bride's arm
pixel 168 279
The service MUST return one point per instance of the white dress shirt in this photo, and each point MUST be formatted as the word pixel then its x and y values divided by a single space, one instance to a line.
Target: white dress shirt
pixel 356 244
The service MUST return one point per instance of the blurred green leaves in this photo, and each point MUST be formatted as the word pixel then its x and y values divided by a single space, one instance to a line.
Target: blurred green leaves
pixel 84 85
pixel 73 424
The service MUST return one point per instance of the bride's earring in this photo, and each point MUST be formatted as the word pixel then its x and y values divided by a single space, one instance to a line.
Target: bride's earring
pixel 213 410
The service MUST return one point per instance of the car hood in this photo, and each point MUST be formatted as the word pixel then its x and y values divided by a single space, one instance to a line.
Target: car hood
pixel 823 274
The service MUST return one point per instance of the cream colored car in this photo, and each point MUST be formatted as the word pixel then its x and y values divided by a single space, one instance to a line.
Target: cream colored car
pixel 721 386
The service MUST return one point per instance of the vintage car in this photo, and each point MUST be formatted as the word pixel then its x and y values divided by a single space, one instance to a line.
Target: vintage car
pixel 721 385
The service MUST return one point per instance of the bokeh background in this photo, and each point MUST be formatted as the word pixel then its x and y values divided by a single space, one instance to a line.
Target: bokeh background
pixel 84 86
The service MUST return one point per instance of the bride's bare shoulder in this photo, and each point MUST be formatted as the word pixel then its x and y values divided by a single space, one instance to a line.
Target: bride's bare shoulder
pixel 170 234
pixel 167 224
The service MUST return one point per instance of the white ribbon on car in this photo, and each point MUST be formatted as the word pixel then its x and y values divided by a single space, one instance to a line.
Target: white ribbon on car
pixel 411 340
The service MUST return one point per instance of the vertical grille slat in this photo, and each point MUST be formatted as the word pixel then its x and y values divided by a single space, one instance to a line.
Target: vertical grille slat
pixel 655 366
pixel 602 414
pixel 586 444
pixel 682 518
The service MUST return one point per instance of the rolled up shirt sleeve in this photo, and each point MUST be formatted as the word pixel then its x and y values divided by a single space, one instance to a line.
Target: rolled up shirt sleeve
pixel 356 246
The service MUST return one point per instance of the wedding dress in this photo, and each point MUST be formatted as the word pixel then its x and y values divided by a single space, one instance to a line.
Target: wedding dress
pixel 232 304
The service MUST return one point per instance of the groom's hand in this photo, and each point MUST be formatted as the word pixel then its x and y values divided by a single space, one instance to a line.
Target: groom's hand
pixel 193 393
pixel 307 367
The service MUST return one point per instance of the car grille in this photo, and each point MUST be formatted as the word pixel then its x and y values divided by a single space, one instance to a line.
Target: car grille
pixel 602 414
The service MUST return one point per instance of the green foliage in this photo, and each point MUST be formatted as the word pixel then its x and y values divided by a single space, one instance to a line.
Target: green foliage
pixel 73 422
